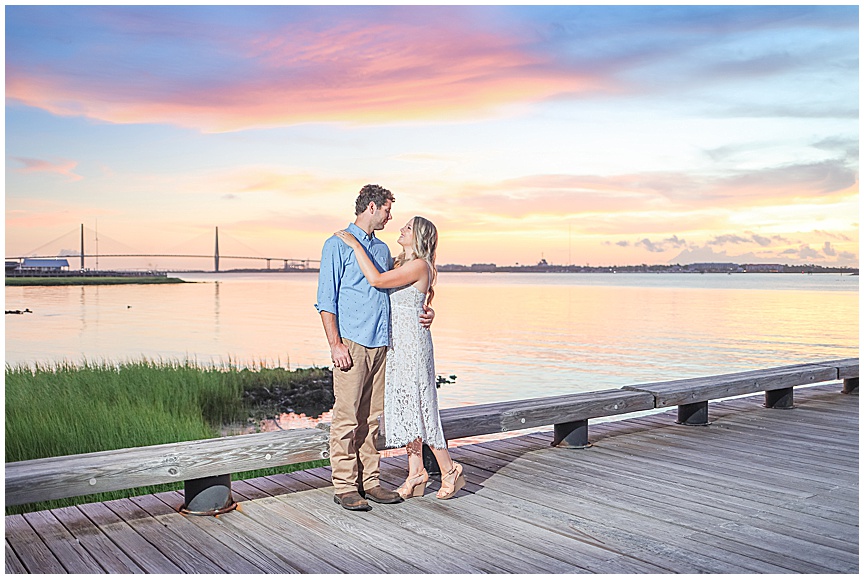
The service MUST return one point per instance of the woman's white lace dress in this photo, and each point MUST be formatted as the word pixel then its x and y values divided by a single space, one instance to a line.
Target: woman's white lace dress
pixel 410 397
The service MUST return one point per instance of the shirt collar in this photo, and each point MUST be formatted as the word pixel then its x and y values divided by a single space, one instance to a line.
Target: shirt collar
pixel 359 233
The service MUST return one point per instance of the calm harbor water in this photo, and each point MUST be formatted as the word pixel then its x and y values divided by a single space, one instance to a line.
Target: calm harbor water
pixel 505 336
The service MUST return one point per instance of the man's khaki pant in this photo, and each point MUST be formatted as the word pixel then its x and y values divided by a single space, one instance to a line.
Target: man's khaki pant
pixel 354 427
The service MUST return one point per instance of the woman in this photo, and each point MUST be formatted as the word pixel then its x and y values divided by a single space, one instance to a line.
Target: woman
pixel 410 397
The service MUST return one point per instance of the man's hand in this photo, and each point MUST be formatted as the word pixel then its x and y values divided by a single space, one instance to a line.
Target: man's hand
pixel 427 316
pixel 341 356
pixel 338 351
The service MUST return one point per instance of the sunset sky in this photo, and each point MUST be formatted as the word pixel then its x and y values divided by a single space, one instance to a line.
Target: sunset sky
pixel 578 134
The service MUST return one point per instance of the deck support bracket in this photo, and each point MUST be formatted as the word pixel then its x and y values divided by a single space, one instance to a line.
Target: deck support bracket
pixel 782 398
pixel 695 414
pixel 571 435
pixel 850 385
pixel 208 496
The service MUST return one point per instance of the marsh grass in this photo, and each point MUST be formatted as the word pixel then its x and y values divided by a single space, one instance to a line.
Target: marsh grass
pixel 63 409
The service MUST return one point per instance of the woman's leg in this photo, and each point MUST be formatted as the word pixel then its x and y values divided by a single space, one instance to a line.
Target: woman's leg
pixel 442 455
pixel 415 483
pixel 452 478
pixel 415 457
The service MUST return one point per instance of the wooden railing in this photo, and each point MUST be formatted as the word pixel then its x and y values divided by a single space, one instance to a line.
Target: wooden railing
pixel 206 466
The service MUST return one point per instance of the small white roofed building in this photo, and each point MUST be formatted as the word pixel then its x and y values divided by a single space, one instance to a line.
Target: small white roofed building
pixel 45 265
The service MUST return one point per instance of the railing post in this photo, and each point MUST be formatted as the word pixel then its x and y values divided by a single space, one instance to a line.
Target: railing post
pixel 571 435
pixel 695 414
pixel 208 496
pixel 783 398
pixel 850 385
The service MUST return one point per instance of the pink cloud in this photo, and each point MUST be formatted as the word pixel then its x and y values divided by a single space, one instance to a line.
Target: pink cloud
pixel 644 197
pixel 347 71
pixel 64 168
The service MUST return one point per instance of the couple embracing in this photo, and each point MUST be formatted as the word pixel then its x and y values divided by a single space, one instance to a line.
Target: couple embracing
pixel 376 316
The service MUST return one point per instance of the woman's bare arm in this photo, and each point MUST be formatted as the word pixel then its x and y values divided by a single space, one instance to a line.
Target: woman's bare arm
pixel 410 273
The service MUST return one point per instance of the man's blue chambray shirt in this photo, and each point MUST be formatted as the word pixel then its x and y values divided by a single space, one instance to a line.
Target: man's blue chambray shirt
pixel 362 311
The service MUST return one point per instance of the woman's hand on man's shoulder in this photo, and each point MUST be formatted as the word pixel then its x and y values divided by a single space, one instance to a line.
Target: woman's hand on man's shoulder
pixel 348 238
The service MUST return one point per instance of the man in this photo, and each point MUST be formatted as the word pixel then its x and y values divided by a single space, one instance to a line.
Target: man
pixel 356 320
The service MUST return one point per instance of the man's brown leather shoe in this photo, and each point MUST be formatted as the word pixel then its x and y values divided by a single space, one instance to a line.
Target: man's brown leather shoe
pixel 352 501
pixel 381 495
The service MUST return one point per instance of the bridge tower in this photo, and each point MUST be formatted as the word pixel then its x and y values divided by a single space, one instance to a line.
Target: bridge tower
pixel 82 247
pixel 217 251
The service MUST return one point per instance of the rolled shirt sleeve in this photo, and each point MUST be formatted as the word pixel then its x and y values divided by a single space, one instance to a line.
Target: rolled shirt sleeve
pixel 329 277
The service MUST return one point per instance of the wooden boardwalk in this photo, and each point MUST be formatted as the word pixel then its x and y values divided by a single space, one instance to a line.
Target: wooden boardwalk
pixel 759 490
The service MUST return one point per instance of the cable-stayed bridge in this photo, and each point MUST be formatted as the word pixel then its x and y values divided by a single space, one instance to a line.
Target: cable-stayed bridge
pixel 272 263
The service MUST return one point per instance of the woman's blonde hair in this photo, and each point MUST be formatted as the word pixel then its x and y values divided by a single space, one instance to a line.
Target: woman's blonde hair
pixel 425 245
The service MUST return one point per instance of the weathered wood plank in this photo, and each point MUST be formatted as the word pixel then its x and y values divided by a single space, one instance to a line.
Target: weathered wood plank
pixel 133 545
pixel 91 537
pixel 763 437
pixel 249 492
pixel 287 481
pixel 541 412
pixel 655 497
pixel 816 529
pixel 84 474
pixel 438 555
pixel 482 419
pixel 710 469
pixel 292 538
pixel 846 368
pixel 735 444
pixel 610 523
pixel 723 476
pixel 563 550
pixel 29 548
pixel 442 554
pixel 743 549
pixel 830 559
pixel 672 489
pixel 187 557
pixel 443 526
pixel 693 390
pixel 343 550
pixel 71 554
pixel 185 531
pixel 285 552
pixel 13 563
pixel 265 487
pixel 697 500
pixel 243 543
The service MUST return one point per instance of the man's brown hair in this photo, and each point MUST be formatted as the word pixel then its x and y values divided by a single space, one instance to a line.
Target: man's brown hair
pixel 374 193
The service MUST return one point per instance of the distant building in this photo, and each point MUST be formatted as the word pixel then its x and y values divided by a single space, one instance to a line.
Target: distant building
pixel 44 265
pixel 763 268
pixel 453 267
pixel 714 267
pixel 482 267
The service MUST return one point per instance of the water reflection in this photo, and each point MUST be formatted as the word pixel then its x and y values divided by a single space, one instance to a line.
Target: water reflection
pixel 505 337
pixel 216 324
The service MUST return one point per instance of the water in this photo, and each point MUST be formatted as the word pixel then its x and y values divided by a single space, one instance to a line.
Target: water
pixel 505 336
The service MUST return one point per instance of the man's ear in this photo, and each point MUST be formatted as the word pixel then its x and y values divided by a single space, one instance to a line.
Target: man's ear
pixel 371 207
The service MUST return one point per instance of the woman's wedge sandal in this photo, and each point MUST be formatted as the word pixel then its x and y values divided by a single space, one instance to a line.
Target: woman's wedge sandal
pixel 451 482
pixel 414 486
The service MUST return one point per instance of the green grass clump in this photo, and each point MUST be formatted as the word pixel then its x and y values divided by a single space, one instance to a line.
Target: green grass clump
pixel 65 409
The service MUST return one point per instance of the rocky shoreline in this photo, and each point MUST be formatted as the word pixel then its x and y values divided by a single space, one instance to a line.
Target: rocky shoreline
pixel 271 392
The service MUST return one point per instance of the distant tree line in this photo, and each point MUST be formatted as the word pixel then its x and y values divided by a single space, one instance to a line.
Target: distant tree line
pixel 544 267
